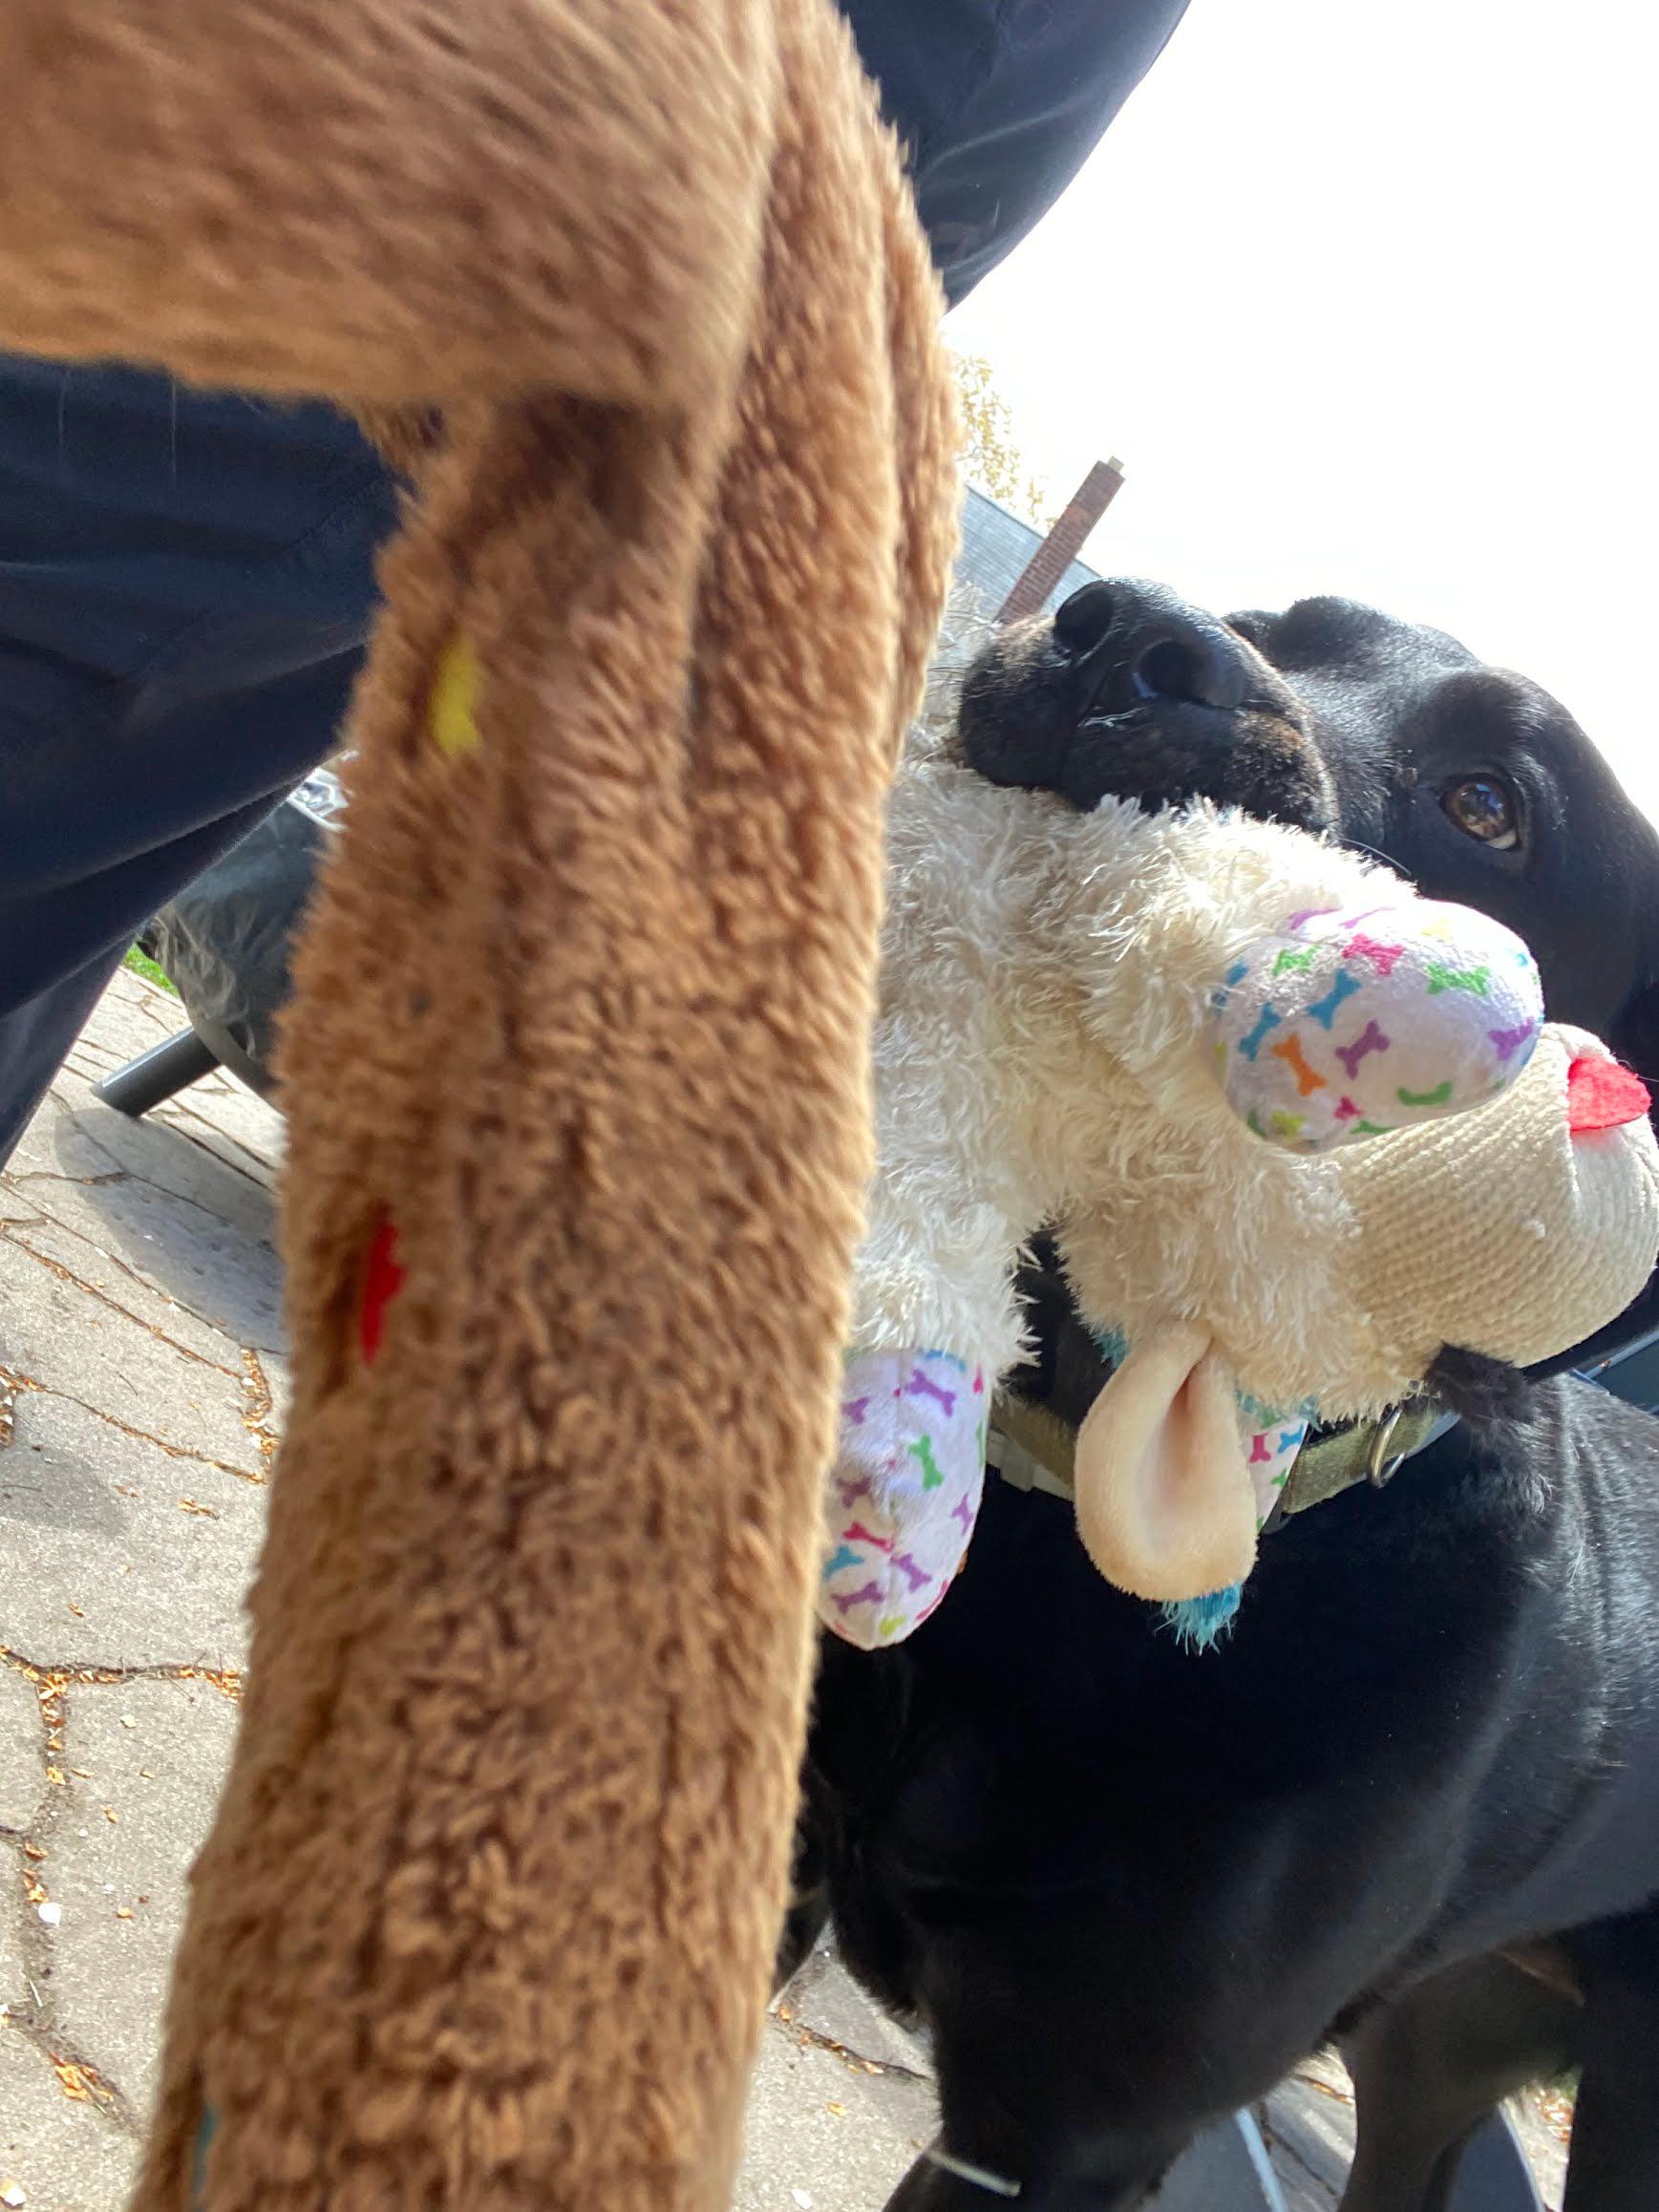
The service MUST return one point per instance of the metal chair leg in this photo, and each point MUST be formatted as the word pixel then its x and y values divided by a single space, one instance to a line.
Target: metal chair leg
pixel 156 1075
pixel 1225 2170
pixel 1493 2174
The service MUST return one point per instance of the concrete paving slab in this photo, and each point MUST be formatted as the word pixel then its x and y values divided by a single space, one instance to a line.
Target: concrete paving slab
pixel 825 2001
pixel 825 2135
pixel 1543 2122
pixel 22 1768
pixel 229 1281
pixel 1307 2126
pixel 133 1015
pixel 70 1234
pixel 145 1761
pixel 232 1122
pixel 13 1989
pixel 195 1130
pixel 54 1334
pixel 277 1379
pixel 92 1055
pixel 115 1553
pixel 53 1144
pixel 64 2153
pixel 238 1113
pixel 228 1276
pixel 160 1154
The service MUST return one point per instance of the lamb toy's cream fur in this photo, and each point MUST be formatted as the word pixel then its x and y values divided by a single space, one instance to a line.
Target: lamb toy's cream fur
pixel 1046 1055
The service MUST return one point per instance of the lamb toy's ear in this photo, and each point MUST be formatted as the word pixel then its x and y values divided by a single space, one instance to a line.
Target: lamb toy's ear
pixel 1352 1023
pixel 1165 1505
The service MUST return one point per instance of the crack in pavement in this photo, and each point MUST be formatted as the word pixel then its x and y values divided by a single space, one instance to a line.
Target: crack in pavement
pixel 175 1123
pixel 52 1677
pixel 1280 2145
pixel 813 2038
pixel 79 2080
pixel 15 1178
pixel 12 1381
pixel 73 1229
pixel 50 1786
pixel 181 1113
pixel 259 1419
pixel 164 1190
pixel 65 1274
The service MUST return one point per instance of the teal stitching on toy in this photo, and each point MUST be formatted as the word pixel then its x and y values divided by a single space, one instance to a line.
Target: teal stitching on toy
pixel 204 2134
pixel 1197 1623
pixel 1276 1416
pixel 1235 974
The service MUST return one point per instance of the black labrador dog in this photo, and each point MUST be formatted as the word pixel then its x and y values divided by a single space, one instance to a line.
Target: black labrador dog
pixel 1127 1885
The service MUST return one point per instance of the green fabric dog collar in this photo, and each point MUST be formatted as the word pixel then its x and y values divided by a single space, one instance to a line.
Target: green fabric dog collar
pixel 1032 1448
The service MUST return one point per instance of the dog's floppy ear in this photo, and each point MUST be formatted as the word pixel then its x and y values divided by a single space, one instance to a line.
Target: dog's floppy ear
pixel 1165 1505
pixel 1635 1033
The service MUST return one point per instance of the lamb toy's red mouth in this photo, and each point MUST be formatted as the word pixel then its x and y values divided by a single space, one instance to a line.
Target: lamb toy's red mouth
pixel 1601 1094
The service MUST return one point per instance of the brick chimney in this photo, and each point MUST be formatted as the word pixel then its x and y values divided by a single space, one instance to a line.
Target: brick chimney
pixel 1065 540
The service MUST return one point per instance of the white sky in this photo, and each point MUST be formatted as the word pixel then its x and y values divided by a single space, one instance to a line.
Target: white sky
pixel 1363 296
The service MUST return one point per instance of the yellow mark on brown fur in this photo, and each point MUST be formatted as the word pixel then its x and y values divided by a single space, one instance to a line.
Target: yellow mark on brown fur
pixel 452 714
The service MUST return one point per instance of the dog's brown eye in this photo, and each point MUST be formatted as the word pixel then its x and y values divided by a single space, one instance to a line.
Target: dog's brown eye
pixel 1483 808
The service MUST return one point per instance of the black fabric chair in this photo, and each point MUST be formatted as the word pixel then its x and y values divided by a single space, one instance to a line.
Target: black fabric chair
pixel 224 945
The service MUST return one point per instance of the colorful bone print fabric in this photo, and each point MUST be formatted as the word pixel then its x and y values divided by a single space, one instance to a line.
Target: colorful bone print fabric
pixel 1348 1025
pixel 1271 1443
pixel 909 1472
pixel 904 1493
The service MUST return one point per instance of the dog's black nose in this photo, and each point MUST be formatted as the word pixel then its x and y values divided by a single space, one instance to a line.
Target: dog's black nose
pixel 1153 643
pixel 1083 619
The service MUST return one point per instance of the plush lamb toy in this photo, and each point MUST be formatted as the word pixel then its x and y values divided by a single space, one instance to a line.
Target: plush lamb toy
pixel 1296 1129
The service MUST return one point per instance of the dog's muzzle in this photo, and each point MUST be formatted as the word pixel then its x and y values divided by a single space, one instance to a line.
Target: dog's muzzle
pixel 1125 690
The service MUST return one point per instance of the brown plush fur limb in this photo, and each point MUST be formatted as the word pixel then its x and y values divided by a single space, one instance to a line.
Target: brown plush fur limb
pixel 487 1915
pixel 387 199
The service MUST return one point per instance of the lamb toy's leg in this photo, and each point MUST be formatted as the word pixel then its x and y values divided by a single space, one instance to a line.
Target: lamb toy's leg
pixel 936 1324
pixel 905 1492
